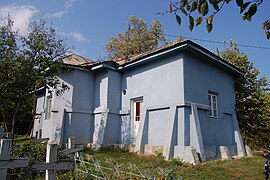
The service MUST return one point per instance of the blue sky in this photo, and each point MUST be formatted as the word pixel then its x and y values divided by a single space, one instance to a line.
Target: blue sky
pixel 89 24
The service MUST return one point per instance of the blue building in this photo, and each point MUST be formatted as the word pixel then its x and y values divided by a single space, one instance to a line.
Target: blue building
pixel 178 100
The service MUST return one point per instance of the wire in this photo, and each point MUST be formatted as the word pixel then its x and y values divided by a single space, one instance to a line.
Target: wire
pixel 219 42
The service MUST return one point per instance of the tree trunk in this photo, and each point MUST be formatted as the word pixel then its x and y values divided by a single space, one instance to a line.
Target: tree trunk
pixel 13 121
pixel 3 114
pixel 33 112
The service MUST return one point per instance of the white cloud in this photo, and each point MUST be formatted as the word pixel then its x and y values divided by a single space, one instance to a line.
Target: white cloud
pixel 79 52
pixel 20 14
pixel 79 37
pixel 57 14
pixel 69 3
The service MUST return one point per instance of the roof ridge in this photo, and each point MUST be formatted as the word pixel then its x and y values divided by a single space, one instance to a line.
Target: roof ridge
pixel 134 57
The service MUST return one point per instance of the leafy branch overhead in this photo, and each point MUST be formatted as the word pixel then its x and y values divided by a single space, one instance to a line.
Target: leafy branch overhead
pixel 137 39
pixel 198 11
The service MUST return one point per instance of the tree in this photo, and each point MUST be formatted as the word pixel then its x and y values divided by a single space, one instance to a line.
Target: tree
pixel 251 98
pixel 26 63
pixel 207 10
pixel 137 39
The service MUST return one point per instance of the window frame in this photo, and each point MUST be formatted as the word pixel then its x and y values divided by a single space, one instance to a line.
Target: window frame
pixel 135 121
pixel 213 103
pixel 137 114
pixel 48 107
pixel 137 110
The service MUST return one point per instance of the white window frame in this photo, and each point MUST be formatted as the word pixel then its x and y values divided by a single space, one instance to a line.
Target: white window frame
pixel 48 107
pixel 213 103
pixel 137 117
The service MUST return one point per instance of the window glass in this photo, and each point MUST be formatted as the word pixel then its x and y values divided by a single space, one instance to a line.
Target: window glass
pixel 138 111
pixel 48 107
pixel 213 105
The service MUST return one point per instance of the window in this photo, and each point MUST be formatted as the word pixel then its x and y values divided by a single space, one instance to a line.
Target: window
pixel 48 107
pixel 138 106
pixel 213 105
pixel 137 109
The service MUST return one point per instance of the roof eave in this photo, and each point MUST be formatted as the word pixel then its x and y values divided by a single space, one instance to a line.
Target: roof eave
pixel 104 65
pixel 83 68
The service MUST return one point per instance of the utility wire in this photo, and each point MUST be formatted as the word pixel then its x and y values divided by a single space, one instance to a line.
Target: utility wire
pixel 219 42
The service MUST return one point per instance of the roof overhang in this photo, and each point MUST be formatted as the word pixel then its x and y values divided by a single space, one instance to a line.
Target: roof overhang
pixel 104 65
pixel 68 66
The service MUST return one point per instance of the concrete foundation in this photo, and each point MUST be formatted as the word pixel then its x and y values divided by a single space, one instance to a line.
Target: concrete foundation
pixel 186 154
pixel 224 153
pixel 151 149
pixel 249 151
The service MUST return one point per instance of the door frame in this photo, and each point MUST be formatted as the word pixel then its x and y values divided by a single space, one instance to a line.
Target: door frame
pixel 133 132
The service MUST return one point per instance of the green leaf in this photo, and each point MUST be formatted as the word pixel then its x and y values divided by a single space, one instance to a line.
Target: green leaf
pixel 268 26
pixel 210 20
pixel 201 2
pixel 246 16
pixel 193 6
pixel 265 24
pixel 244 6
pixel 252 10
pixel 184 3
pixel 178 19
pixel 191 23
pixel 215 5
pixel 209 27
pixel 204 8
pixel 198 21
pixel 267 34
pixel 183 10
pixel 239 3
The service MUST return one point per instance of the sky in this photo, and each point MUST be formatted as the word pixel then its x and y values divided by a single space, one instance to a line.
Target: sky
pixel 89 24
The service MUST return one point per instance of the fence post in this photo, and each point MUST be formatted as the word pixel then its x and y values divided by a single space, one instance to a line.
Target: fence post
pixel 71 144
pixel 5 147
pixel 51 157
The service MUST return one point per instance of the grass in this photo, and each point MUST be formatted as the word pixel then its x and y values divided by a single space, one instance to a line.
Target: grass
pixel 244 168
pixel 21 139
pixel 27 148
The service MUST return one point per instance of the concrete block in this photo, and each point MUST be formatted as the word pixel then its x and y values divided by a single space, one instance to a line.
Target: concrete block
pixel 152 149
pixel 186 154
pixel 131 148
pixel 224 153
pixel 249 151
pixel 239 143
